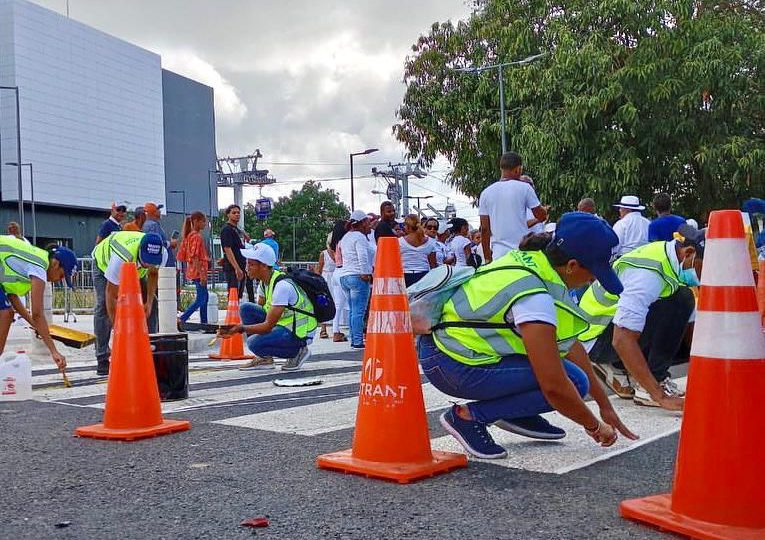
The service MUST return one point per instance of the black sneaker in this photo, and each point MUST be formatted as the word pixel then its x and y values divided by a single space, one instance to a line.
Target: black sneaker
pixel 357 346
pixel 534 427
pixel 103 368
pixel 472 435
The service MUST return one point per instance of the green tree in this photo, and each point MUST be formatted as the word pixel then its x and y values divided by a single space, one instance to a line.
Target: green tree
pixel 311 211
pixel 632 97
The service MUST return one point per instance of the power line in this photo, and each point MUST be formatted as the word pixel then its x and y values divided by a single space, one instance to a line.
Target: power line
pixel 319 163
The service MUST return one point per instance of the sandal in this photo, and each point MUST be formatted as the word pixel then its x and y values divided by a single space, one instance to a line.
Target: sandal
pixel 339 336
pixel 323 334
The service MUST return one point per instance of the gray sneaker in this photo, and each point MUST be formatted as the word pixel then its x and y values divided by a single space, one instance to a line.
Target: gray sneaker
pixel 294 364
pixel 259 363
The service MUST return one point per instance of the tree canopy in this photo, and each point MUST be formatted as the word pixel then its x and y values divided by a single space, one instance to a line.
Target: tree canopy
pixel 631 97
pixel 311 211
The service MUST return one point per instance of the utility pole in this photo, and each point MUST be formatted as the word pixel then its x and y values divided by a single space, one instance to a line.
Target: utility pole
pixel 397 177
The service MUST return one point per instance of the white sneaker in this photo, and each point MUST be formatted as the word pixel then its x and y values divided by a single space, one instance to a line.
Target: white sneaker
pixel 294 364
pixel 668 386
pixel 671 389
pixel 642 397
pixel 258 364
pixel 618 380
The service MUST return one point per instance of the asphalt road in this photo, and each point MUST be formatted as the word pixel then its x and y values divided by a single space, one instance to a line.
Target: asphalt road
pixel 203 483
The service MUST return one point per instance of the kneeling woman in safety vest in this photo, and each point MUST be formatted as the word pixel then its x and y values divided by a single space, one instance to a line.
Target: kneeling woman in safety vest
pixel 25 268
pixel 508 340
pixel 283 325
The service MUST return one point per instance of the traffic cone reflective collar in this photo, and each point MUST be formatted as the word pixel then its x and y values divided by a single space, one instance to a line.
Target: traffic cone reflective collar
pixel 133 410
pixel 719 483
pixel 232 347
pixel 391 440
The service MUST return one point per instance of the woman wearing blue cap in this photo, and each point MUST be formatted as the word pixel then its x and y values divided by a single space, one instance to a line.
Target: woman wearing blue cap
pixel 507 339
pixel 27 269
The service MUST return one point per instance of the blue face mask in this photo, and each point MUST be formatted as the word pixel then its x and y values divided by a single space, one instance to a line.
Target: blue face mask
pixel 689 275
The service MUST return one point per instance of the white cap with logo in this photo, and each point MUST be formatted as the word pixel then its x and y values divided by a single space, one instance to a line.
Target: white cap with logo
pixel 260 252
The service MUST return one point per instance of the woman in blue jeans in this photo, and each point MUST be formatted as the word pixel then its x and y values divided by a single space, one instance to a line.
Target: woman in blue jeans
pixel 356 273
pixel 507 339
pixel 194 253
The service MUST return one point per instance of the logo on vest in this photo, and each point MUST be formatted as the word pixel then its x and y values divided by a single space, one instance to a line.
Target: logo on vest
pixel 373 387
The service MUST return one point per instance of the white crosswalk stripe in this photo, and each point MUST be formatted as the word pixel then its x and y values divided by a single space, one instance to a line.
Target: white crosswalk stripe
pixel 331 407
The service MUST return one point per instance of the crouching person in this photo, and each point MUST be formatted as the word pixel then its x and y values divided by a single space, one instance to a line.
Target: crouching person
pixel 283 325
pixel 28 269
pixel 507 339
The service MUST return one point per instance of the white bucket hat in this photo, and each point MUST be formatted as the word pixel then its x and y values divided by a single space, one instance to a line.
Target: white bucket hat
pixel 630 202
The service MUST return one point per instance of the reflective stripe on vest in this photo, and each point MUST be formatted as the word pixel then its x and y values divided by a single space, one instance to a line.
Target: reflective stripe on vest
pixel 298 323
pixel 483 301
pixel 13 248
pixel 124 244
pixel 601 306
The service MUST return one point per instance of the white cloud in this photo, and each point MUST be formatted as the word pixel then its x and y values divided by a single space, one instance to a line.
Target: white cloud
pixel 229 108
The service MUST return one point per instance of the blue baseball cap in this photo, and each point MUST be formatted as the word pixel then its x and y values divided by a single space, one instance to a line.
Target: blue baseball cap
pixel 68 261
pixel 589 240
pixel 152 250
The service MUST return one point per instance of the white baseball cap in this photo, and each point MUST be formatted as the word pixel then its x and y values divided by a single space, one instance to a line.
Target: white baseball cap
pixel 358 215
pixel 260 252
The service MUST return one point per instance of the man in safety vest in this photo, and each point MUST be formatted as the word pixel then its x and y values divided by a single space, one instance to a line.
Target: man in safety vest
pixel 147 251
pixel 283 325
pixel 25 269
pixel 634 338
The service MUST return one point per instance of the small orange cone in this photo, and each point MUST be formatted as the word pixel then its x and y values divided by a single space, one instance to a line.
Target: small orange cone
pixel 391 440
pixel 232 347
pixel 718 488
pixel 761 291
pixel 133 410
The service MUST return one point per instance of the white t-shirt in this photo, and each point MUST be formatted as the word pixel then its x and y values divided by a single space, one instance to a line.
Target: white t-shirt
pixel 533 308
pixel 632 231
pixel 24 268
pixel 506 202
pixel 457 245
pixel 112 273
pixel 357 254
pixel 442 252
pixel 415 259
pixel 284 294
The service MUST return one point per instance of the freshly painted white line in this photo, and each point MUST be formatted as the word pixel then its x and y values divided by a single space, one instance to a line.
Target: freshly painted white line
pixel 321 418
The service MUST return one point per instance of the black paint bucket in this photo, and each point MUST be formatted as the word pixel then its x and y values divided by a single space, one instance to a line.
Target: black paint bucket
pixel 171 363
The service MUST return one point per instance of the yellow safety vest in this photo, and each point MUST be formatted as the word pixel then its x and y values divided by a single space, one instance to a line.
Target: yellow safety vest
pixel 473 329
pixel 600 305
pixel 124 244
pixel 13 248
pixel 294 318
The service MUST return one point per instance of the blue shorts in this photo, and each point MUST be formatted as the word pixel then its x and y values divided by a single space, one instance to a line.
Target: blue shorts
pixel 4 304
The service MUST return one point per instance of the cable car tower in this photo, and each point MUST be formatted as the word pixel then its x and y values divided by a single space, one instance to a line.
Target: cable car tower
pixel 237 172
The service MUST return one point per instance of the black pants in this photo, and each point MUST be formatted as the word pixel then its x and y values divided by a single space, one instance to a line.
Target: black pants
pixel 410 278
pixel 233 283
pixel 662 336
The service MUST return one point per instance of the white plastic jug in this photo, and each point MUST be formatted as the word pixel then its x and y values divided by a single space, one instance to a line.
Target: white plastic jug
pixel 212 308
pixel 15 376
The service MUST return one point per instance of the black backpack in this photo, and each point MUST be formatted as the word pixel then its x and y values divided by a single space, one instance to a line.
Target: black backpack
pixel 316 289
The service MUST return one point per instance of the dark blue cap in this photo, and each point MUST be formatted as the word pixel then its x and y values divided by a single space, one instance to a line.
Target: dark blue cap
pixel 589 240
pixel 152 250
pixel 68 261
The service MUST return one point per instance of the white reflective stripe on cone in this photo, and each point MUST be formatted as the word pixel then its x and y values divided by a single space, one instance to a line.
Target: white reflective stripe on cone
pixel 388 286
pixel 727 262
pixel 728 335
pixel 389 322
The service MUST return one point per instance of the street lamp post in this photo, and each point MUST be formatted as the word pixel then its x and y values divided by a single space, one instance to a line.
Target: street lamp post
pixel 500 70
pixel 32 193
pixel 365 152
pixel 18 154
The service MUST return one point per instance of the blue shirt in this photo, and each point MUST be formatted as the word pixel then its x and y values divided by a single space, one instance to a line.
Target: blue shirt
pixel 151 226
pixel 108 227
pixel 664 227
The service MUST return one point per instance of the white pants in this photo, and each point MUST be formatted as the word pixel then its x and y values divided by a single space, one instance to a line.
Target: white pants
pixel 341 303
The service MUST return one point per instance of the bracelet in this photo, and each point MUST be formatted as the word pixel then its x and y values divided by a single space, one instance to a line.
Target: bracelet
pixel 594 431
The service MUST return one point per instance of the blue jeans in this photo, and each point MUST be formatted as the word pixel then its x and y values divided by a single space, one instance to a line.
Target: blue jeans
pixel 507 390
pixel 279 342
pixel 200 303
pixel 357 290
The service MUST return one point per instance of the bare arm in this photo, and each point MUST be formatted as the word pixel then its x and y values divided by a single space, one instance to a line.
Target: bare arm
pixel 19 308
pixel 228 252
pixel 486 238
pixel 540 212
pixel 111 299
pixel 432 260
pixel 320 266
pixel 626 344
pixel 151 290
pixel 39 322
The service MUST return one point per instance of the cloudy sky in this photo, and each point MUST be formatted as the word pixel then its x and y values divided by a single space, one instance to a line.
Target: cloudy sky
pixel 306 81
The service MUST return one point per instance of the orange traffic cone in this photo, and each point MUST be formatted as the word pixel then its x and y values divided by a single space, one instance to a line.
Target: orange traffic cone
pixel 719 475
pixel 232 347
pixel 133 410
pixel 391 440
pixel 761 292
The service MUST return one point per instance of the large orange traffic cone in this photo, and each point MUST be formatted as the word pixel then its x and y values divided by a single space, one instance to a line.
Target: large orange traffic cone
pixel 761 292
pixel 719 485
pixel 133 410
pixel 232 347
pixel 391 440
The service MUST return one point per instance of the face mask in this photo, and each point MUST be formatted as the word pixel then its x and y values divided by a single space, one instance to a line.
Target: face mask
pixel 689 275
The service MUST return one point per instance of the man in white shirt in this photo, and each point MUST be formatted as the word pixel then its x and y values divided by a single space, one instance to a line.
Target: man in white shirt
pixel 632 227
pixel 502 209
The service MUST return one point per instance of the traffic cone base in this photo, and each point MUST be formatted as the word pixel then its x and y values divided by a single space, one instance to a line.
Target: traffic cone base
pixel 657 511
pixel 99 431
pixel 403 473
pixel 232 347
pixel 217 356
